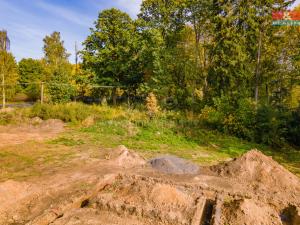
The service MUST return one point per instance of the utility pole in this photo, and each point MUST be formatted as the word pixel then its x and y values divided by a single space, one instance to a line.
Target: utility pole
pixel 76 57
pixel 3 85
pixel 42 92
pixel 4 46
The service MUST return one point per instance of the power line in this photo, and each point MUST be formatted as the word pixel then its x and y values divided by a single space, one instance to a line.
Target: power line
pixel 62 84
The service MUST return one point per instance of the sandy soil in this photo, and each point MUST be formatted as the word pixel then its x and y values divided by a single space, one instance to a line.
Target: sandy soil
pixel 36 130
pixel 123 189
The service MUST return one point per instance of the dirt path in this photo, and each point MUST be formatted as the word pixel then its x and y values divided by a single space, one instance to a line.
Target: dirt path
pixel 122 189
pixel 37 130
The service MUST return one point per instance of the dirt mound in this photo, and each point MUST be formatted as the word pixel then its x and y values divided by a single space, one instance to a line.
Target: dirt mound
pixel 106 192
pixel 248 212
pixel 127 159
pixel 173 165
pixel 168 195
pixel 254 166
pixel 36 121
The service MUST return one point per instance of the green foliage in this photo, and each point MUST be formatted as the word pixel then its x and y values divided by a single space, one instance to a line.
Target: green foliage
pixel 293 128
pixel 59 88
pixel 66 112
pixel 66 141
pixel 55 52
pixel 109 49
pixel 270 129
pixel 78 112
pixel 8 71
pixel 32 73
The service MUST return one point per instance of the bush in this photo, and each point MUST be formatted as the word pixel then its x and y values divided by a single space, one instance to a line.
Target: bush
pixel 231 116
pixel 59 89
pixel 151 105
pixel 78 112
pixel 293 128
pixel 270 126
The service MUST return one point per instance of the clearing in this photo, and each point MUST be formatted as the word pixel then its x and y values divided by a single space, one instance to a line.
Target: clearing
pixel 57 174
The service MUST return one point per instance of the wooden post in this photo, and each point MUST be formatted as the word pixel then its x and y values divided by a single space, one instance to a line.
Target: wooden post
pixel 114 97
pixel 42 93
pixel 3 91
pixel 3 84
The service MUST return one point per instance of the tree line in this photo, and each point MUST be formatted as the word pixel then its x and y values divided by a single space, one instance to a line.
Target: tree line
pixel 222 60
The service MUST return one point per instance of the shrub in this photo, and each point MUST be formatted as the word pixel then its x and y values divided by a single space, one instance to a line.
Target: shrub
pixel 211 117
pixel 151 105
pixel 66 112
pixel 270 128
pixel 293 127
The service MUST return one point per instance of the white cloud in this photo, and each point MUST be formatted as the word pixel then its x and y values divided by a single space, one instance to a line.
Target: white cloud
pixel 66 14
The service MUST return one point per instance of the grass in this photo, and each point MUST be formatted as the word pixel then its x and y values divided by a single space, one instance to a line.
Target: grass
pixel 165 136
pixel 157 138
pixel 32 159
pixel 169 133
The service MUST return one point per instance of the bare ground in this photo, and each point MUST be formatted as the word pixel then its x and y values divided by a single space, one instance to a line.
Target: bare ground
pixel 121 188
pixel 126 190
pixel 36 130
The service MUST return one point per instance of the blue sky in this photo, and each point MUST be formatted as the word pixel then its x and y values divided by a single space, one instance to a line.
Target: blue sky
pixel 29 21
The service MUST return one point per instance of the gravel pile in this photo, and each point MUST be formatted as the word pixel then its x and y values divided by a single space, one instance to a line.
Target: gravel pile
pixel 173 165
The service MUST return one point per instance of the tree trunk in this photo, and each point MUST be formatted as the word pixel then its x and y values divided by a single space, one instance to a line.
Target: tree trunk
pixel 267 93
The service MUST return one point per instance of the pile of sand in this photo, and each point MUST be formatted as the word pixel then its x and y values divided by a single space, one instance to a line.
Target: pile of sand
pixel 167 195
pixel 173 165
pixel 127 159
pixel 254 166
pixel 248 212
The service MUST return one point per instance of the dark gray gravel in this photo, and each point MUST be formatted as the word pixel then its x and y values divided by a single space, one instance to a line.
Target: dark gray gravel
pixel 173 165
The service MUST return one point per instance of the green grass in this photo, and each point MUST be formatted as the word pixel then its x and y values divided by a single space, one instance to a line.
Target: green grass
pixel 164 136
pixel 66 141
pixel 168 133
pixel 32 159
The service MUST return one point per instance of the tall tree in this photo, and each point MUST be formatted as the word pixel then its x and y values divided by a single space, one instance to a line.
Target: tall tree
pixel 58 69
pixel 8 75
pixel 4 41
pixel 116 48
pixel 165 15
pixel 54 50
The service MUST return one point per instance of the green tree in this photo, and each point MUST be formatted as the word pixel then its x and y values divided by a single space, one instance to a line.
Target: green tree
pixel 167 16
pixel 58 69
pixel 32 73
pixel 54 50
pixel 8 74
pixel 60 88
pixel 109 48
pixel 121 51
